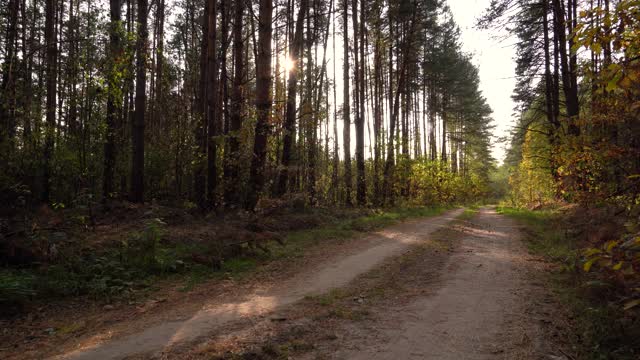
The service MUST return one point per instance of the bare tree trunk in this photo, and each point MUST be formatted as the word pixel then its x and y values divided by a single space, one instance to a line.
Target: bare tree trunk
pixel 445 114
pixel 8 90
pixel 309 112
pixel 346 109
pixel 393 116
pixel 224 76
pixel 390 163
pixel 569 84
pixel 549 85
pixel 27 68
pixel 137 163
pixel 377 107
pixel 200 179
pixel 361 185
pixel 212 88
pixel 158 100
pixel 263 102
pixel 113 99
pixel 432 121
pixel 237 107
pixel 52 72
pixel 292 88
pixel 73 71
pixel 336 157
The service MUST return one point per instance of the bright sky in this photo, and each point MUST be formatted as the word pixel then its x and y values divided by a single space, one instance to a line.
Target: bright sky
pixel 494 57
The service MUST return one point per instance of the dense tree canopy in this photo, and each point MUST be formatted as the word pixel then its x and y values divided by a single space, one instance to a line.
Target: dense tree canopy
pixel 224 102
pixel 577 95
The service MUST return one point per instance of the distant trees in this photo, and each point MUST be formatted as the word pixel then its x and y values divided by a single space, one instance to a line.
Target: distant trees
pixel 224 102
pixel 578 122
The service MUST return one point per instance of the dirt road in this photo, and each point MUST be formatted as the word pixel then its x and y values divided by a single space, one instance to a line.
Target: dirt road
pixel 337 272
pixel 482 309
pixel 434 288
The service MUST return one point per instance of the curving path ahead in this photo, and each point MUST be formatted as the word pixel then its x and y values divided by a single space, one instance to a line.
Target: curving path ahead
pixel 332 274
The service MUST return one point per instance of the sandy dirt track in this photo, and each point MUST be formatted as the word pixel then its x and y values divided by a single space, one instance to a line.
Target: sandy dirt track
pixel 334 273
pixel 477 313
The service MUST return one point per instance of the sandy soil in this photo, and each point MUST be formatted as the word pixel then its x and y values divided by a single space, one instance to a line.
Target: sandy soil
pixel 479 312
pixel 467 291
pixel 337 271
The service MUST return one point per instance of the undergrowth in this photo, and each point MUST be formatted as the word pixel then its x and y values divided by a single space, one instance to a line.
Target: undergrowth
pixel 468 213
pixel 602 331
pixel 141 258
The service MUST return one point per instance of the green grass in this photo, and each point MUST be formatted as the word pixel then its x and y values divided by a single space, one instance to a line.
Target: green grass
pixel 142 259
pixel 468 214
pixel 328 299
pixel 340 229
pixel 383 218
pixel 238 265
pixel 596 334
pixel 548 236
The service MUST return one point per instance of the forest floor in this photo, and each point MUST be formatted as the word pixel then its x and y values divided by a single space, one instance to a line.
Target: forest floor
pixel 460 285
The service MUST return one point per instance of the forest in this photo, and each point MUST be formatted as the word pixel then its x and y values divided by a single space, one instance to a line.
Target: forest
pixel 145 144
pixel 221 105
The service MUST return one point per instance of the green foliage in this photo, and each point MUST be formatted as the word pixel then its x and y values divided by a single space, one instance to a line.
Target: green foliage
pixel 616 263
pixel 601 328
pixel 114 272
pixel 468 214
pixel 531 180
pixel 432 182
pixel 547 239
pixel 15 287
pixel 239 265
pixel 499 183
pixel 142 257
pixel 143 251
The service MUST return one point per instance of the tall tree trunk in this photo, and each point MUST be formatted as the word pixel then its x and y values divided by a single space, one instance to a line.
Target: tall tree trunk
pixel 200 179
pixel 377 107
pixel 313 148
pixel 137 138
pixel 158 100
pixel 295 49
pixel 232 165
pixel 406 46
pixel 212 91
pixel 335 186
pixel 263 101
pixel 8 90
pixel 346 109
pixel 73 71
pixel 549 84
pixel 547 66
pixel 445 114
pixel 393 115
pixel 27 70
pixel 556 74
pixel 433 151
pixel 52 72
pixel 224 46
pixel 607 31
pixel 567 72
pixel 309 113
pixel 361 185
pixel 113 99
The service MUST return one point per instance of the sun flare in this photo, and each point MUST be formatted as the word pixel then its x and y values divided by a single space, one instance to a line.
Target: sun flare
pixel 288 64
